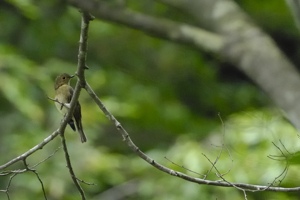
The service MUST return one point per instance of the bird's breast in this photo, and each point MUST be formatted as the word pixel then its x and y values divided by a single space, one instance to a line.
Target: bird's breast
pixel 63 95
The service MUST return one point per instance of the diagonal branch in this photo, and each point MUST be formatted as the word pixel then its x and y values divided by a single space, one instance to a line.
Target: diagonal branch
pixel 32 150
pixel 160 27
pixel 169 171
pixel 250 49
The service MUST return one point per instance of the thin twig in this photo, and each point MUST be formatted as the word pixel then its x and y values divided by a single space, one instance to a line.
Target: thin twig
pixel 281 157
pixel 221 151
pixel 69 165
pixel 37 175
pixel 82 181
pixel 6 191
pixel 51 155
pixel 31 169
pixel 41 182
pixel 67 105
pixel 285 147
pixel 184 167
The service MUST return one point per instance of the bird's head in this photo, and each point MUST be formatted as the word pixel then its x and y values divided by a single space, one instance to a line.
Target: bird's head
pixel 62 79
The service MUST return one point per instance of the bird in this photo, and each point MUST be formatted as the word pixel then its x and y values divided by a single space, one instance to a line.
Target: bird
pixel 63 96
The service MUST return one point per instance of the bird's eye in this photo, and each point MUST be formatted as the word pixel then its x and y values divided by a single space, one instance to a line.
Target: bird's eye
pixel 64 77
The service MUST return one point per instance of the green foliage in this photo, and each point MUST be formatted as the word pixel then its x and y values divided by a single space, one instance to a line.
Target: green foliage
pixel 276 12
pixel 166 95
pixel 293 159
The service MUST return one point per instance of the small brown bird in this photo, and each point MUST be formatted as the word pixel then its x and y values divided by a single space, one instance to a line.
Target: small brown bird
pixel 63 94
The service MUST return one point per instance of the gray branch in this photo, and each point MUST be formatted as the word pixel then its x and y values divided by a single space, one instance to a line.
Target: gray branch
pixel 159 27
pixel 250 50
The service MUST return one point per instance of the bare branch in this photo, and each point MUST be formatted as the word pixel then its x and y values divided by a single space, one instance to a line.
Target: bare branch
pixel 184 167
pixel 141 154
pixel 82 52
pixel 221 176
pixel 69 165
pixel 27 168
pixel 41 182
pixel 51 155
pixel 32 150
pixel 20 171
pixel 82 181
pixel 38 177
pixel 67 105
pixel 6 191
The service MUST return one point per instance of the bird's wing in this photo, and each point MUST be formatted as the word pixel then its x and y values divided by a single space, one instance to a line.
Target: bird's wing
pixel 71 91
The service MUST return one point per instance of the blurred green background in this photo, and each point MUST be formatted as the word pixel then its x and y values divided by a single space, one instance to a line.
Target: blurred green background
pixel 167 96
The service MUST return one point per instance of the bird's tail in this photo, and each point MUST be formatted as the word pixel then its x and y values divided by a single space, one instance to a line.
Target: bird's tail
pixel 72 124
pixel 82 135
pixel 77 116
